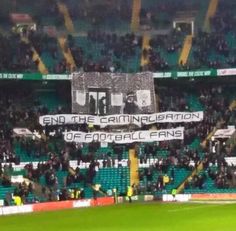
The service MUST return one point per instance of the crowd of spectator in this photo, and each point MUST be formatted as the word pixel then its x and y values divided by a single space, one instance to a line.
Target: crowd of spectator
pixel 112 49
pixel 22 108
pixel 224 21
pixel 215 49
pixel 215 168
pixel 92 12
pixel 212 50
pixel 215 105
pixel 16 55
pixel 208 47
pixel 160 47
pixel 214 99
pixel 167 11
pixel 217 114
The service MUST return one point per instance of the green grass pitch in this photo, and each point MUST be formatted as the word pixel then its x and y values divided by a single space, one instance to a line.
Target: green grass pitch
pixel 129 217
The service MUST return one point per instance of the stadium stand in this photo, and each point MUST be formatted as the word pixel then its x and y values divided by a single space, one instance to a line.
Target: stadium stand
pixel 168 159
pixel 131 36
pixel 170 48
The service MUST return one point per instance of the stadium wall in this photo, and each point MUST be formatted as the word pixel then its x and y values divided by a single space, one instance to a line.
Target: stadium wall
pixel 51 206
pixel 103 201
pixel 200 197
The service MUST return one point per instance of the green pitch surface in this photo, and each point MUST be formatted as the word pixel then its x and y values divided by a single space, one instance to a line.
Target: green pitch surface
pixel 129 217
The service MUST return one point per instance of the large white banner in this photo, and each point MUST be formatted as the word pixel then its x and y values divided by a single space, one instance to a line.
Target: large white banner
pixel 117 99
pixel 125 137
pixel 123 119
pixel 228 71
pixel 143 98
pixel 224 133
pixel 23 132
pixel 80 98
pixel 118 89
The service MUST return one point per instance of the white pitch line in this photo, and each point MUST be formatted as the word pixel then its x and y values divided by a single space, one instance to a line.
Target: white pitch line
pixel 192 208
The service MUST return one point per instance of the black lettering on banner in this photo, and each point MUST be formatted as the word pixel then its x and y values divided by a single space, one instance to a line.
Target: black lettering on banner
pixel 95 137
pixel 69 136
pixel 162 134
pixel 160 117
pixel 90 119
pixel 144 119
pixel 151 119
pixel 118 137
pixel 127 136
pixel 170 133
pixel 109 137
pixel 121 119
pixel 46 120
pixel 103 137
pixel 141 135
pixel 88 137
pixel 77 137
pixel 62 119
pixel 153 135
pixel 82 119
pixel 178 116
pixel 124 119
pixel 73 118
pixel 111 119
pixel 54 120
pixel 103 120
pixel 196 115
pixel 187 116
pixel 135 135
pixel 178 134
pixel 169 115
pixel 135 119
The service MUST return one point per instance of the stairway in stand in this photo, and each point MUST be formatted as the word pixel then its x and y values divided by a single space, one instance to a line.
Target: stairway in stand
pixel 68 21
pixel 36 58
pixel 187 46
pixel 135 20
pixel 145 46
pixel 210 13
pixel 134 175
pixel 194 172
pixel 67 53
